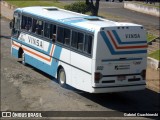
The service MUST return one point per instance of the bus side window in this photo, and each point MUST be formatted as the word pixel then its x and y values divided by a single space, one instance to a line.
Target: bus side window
pixel 29 24
pixel 47 30
pixel 60 34
pixel 34 25
pixel 77 40
pixel 80 41
pixel 38 27
pixel 88 44
pixel 67 33
pixel 53 32
pixel 74 39
pixel 24 22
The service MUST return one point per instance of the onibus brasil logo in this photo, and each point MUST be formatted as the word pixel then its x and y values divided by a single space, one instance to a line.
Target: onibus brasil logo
pixel 21 114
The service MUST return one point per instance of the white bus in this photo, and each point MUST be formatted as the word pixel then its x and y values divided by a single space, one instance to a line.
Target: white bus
pixel 86 52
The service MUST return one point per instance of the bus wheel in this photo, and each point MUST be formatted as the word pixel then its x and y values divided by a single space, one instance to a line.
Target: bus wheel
pixel 62 77
pixel 23 59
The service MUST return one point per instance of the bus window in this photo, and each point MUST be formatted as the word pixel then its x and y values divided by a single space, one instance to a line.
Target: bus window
pixel 88 44
pixel 47 30
pixel 24 20
pixel 60 34
pixel 53 32
pixel 29 24
pixel 34 25
pixel 26 23
pixel 17 23
pixel 74 39
pixel 77 40
pixel 38 27
pixel 80 41
pixel 67 33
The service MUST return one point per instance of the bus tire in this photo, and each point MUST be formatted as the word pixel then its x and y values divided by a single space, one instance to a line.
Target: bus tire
pixel 62 77
pixel 23 59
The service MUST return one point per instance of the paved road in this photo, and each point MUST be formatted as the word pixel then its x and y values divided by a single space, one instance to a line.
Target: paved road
pixel 115 11
pixel 26 88
pixel 151 23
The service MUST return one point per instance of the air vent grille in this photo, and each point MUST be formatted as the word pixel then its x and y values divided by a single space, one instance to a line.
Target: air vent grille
pixel 93 19
pixel 51 9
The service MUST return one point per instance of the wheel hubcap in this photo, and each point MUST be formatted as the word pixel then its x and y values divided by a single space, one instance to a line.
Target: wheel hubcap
pixel 62 77
pixel 23 59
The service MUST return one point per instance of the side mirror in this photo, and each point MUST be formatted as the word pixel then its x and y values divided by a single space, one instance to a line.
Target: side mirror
pixel 11 25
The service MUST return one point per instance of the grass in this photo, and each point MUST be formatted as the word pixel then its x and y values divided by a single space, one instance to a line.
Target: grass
pixel 155 55
pixel 26 3
pixel 150 37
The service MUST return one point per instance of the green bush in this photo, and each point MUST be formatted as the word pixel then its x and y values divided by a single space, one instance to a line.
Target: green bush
pixel 79 7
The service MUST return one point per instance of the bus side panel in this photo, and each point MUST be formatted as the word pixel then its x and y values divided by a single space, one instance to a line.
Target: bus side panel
pixel 45 63
pixel 14 52
pixel 81 71
pixel 41 65
pixel 81 80
pixel 14 49
pixel 67 69
pixel 65 63
pixel 46 57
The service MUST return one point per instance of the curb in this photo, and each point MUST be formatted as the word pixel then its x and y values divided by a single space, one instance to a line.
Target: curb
pixel 153 63
pixel 142 8
pixel 150 42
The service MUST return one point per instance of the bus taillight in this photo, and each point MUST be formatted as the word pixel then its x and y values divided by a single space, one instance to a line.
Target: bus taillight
pixel 143 74
pixel 97 77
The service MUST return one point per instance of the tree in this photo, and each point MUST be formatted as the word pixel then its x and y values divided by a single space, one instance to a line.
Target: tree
pixel 93 7
pixel 79 7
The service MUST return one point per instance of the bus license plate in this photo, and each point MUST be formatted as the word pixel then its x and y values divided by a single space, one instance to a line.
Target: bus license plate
pixel 120 78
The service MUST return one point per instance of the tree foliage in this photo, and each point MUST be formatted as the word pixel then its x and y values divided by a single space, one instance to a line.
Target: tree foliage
pixel 79 7
pixel 83 7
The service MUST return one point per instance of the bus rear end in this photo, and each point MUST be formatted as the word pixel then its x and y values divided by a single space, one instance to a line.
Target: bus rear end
pixel 120 60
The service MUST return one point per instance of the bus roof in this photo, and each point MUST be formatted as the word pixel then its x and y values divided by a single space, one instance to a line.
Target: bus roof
pixel 90 23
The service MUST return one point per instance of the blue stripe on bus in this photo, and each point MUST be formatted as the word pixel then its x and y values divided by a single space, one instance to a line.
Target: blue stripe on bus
pixel 49 69
pixel 128 59
pixel 113 52
pixel 131 42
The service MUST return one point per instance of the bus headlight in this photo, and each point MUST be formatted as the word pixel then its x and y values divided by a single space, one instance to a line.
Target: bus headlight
pixel 143 74
pixel 97 77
